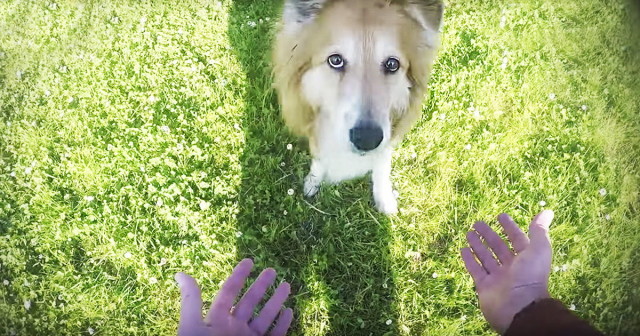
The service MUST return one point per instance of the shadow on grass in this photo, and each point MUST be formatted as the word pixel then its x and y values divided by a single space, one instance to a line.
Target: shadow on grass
pixel 334 250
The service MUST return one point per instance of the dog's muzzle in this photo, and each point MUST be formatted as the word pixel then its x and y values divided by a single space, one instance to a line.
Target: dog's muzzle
pixel 366 136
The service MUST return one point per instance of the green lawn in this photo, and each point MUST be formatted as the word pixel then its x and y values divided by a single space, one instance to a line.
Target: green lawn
pixel 139 139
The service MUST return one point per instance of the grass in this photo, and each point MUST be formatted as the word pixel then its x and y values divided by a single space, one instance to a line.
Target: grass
pixel 139 139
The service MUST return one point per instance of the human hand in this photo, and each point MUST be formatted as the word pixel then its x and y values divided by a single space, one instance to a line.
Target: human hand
pixel 225 319
pixel 512 281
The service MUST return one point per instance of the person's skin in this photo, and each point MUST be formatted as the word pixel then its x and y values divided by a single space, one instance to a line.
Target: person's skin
pixel 225 319
pixel 510 280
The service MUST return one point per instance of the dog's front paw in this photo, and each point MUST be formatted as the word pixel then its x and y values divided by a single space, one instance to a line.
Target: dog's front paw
pixel 386 202
pixel 311 185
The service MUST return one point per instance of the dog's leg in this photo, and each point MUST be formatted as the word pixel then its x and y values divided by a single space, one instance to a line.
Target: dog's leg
pixel 314 179
pixel 382 188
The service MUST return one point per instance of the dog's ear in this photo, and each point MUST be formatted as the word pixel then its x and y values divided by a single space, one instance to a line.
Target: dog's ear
pixel 428 14
pixel 298 12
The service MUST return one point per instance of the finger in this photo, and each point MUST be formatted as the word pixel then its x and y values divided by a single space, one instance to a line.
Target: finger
pixel 539 229
pixel 283 323
pixel 518 239
pixel 230 289
pixel 495 243
pixel 191 301
pixel 482 252
pixel 473 267
pixel 270 310
pixel 244 309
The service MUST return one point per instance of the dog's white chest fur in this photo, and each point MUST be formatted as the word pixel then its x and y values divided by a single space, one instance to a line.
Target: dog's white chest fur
pixel 343 166
pixel 335 161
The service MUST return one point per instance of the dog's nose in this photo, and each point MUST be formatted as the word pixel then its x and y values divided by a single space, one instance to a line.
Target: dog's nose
pixel 366 136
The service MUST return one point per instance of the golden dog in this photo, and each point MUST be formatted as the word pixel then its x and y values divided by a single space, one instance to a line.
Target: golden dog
pixel 351 77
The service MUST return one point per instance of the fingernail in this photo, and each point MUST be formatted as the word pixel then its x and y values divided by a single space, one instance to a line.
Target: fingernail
pixel 547 214
pixel 178 278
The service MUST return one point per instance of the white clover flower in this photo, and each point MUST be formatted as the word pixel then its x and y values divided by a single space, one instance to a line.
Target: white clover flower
pixel 163 261
pixel 285 212
pixel 27 304
pixel 505 61
pixel 70 100
pixel 5 282
pixel 289 146
pixel 165 129
pixel 565 267
pixel 603 192
pixel 413 255
pixel 28 170
pixel 264 228
pixel 607 217
pixel 503 21
pixel 90 331
pixel 552 96
pixel 572 307
pixel 238 234
pixel 467 147
pixel 388 322
pixel 290 192
pixel 153 280
pixel 53 6
pixel 89 198
pixel 463 317
pixel 12 174
pixel 584 107
pixel 19 74
pixel 542 203
pixel 251 24
pixel 115 19
pixel 63 69
pixel 282 164
pixel 556 269
pixel 47 93
pixel 434 275
pixel 204 205
pixel 127 255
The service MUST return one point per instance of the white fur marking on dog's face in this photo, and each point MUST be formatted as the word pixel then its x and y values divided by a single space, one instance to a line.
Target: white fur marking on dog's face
pixel 363 88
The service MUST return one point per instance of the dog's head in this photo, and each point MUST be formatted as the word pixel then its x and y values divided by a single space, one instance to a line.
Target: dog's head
pixel 356 69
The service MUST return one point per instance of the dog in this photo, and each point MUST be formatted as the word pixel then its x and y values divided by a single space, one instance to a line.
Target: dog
pixel 351 76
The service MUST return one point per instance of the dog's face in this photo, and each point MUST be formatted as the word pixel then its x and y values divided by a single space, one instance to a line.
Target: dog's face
pixel 355 65
pixel 358 76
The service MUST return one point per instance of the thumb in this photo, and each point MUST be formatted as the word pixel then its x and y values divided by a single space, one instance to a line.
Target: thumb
pixel 191 305
pixel 539 230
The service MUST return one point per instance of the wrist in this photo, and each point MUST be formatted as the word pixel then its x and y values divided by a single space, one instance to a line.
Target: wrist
pixel 522 297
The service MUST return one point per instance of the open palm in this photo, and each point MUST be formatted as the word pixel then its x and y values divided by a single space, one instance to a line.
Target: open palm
pixel 508 280
pixel 225 319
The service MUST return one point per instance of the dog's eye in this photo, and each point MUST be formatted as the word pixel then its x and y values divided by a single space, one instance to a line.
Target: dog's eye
pixel 336 61
pixel 392 64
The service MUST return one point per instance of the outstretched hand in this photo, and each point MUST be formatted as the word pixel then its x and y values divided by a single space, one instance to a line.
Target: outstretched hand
pixel 512 279
pixel 225 319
